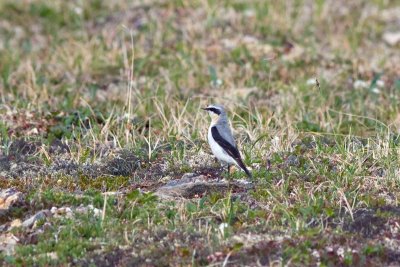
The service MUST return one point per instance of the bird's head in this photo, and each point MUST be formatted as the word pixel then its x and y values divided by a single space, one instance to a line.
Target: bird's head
pixel 215 111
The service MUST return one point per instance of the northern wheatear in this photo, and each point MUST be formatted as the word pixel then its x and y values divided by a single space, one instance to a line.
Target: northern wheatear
pixel 221 140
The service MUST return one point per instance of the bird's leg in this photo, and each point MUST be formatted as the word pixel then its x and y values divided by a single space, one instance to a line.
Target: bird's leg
pixel 229 170
pixel 229 176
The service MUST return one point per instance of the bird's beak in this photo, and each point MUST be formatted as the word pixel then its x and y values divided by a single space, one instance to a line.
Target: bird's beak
pixel 204 108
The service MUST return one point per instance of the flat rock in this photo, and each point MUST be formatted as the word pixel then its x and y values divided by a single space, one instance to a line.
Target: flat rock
pixel 38 216
pixel 192 185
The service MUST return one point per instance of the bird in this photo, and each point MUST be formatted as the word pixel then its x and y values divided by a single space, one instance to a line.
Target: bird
pixel 221 140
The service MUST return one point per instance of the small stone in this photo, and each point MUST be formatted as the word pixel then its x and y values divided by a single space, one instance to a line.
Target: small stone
pixel 391 38
pixel 33 219
pixel 375 90
pixel 340 252
pixel 10 198
pixel 311 81
pixel 315 254
pixel 63 211
pixel 380 83
pixel 96 212
pixel 360 84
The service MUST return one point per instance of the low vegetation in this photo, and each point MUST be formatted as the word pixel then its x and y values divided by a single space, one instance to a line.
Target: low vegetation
pixel 100 107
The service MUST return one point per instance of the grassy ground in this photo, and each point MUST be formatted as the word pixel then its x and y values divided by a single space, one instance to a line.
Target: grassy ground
pixel 105 96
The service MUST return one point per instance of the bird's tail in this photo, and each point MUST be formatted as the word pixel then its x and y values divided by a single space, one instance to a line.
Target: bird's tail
pixel 243 167
pixel 248 173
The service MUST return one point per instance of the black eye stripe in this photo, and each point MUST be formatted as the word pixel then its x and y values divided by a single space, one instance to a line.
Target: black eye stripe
pixel 215 110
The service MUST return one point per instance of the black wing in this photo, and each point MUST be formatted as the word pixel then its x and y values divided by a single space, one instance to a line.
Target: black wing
pixel 229 149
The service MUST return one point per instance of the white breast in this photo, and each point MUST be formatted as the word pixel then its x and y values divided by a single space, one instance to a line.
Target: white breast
pixel 218 151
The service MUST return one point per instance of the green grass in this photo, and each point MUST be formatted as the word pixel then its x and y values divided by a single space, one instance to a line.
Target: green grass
pixel 121 85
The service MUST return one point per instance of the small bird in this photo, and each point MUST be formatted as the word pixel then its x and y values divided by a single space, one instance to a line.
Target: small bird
pixel 221 140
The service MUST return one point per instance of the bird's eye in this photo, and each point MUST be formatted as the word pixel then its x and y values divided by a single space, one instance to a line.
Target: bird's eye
pixel 215 110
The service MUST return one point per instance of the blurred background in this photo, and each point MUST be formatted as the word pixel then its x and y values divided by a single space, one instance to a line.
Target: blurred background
pixel 126 56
